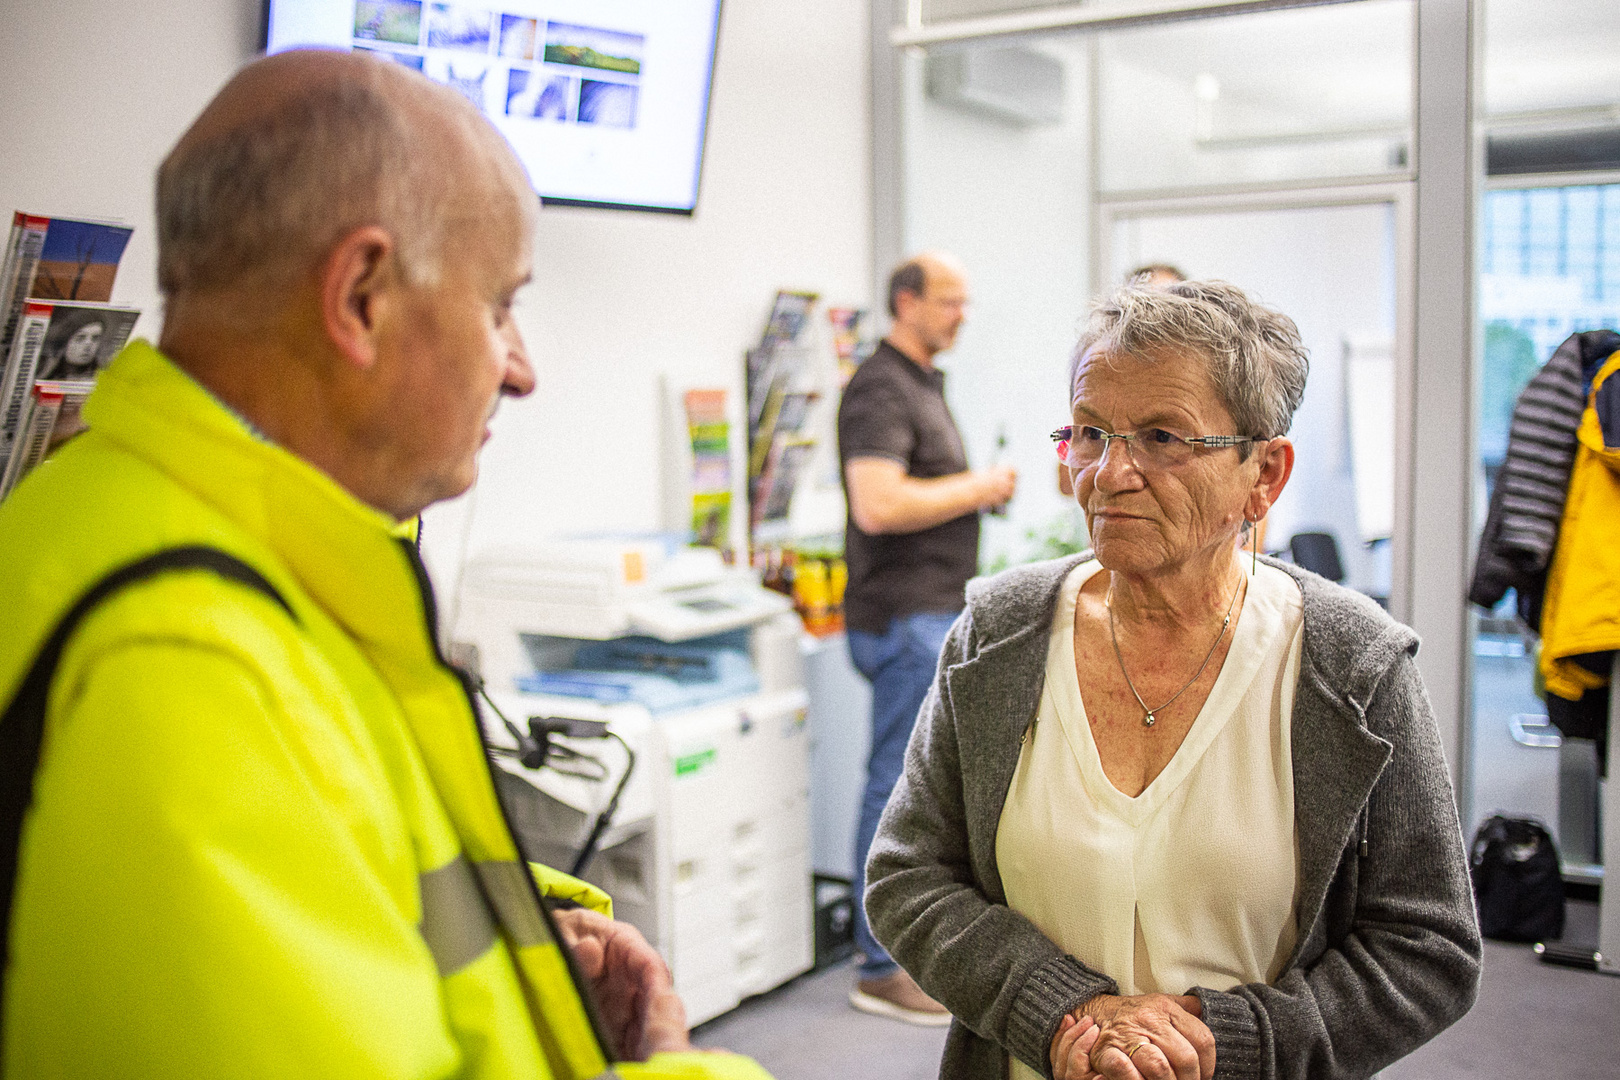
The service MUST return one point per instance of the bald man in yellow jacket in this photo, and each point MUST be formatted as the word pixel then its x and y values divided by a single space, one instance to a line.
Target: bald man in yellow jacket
pixel 249 825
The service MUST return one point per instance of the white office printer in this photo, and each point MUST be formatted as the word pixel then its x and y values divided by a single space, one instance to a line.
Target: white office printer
pixel 599 589
pixel 697 668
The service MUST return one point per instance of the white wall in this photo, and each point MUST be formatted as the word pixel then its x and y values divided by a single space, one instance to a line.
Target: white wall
pixel 95 92
pixel 619 300
pixel 1012 203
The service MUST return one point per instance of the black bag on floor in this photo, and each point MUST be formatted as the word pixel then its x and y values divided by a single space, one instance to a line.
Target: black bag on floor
pixel 1518 883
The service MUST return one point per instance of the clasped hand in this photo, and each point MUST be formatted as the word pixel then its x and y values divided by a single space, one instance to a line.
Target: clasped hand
pixel 1146 1037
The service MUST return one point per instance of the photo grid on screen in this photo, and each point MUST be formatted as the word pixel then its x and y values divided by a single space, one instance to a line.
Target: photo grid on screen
pixel 522 66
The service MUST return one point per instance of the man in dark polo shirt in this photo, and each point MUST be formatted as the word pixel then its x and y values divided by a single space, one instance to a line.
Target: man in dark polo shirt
pixel 911 544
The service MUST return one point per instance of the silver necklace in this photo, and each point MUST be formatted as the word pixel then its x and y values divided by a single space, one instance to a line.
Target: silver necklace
pixel 1148 716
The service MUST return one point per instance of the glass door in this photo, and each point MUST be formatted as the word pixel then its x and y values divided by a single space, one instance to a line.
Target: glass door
pixel 1549 255
pixel 1352 319
pixel 1550 268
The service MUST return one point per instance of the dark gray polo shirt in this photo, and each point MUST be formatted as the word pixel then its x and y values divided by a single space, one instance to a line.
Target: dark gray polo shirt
pixel 893 408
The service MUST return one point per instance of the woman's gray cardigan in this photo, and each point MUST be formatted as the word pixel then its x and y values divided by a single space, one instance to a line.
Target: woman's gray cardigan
pixel 1388 951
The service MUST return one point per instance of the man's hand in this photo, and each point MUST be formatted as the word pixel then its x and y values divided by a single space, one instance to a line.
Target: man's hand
pixel 1147 1037
pixel 998 484
pixel 629 981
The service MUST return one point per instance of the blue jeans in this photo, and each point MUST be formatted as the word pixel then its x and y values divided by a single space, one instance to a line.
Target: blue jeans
pixel 899 663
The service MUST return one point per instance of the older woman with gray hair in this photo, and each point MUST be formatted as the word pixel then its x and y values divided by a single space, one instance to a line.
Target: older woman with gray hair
pixel 1170 811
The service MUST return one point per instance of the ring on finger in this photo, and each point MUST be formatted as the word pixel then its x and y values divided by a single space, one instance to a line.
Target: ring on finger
pixel 1131 1053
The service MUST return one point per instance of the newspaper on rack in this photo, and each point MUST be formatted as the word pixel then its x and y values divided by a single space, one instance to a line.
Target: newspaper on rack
pixel 778 376
pixel 50 418
pixel 57 342
pixel 774 491
pixel 56 259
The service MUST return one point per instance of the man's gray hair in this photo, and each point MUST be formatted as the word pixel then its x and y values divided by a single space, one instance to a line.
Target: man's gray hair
pixel 1253 353
pixel 274 193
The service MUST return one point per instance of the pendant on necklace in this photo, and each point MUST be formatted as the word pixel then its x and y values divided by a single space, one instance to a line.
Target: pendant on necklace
pixel 1147 721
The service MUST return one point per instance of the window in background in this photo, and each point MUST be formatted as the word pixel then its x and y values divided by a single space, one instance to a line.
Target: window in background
pixel 1549 266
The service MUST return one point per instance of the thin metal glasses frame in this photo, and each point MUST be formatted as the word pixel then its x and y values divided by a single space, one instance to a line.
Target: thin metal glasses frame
pixel 1064 437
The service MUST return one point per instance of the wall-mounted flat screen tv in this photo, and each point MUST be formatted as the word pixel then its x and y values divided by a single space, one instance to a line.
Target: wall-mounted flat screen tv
pixel 604 100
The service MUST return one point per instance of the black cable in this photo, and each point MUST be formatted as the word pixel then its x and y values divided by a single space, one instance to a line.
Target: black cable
pixel 593 769
pixel 530 752
pixel 605 818
pixel 535 750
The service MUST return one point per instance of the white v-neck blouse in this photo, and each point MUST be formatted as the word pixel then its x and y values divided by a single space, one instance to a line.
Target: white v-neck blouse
pixel 1192 882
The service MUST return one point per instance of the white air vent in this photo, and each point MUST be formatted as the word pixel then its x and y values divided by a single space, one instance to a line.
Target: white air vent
pixel 1012 83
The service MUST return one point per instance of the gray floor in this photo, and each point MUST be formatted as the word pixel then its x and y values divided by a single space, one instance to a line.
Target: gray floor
pixel 1532 1020
pixel 807 1030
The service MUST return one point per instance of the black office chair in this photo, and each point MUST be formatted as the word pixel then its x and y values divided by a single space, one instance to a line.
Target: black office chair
pixel 1317 552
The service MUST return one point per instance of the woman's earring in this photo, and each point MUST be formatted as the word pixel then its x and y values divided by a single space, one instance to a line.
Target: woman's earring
pixel 1254 546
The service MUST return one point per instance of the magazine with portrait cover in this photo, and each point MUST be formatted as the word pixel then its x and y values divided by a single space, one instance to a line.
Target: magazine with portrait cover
pixel 57 259
pixel 50 417
pixel 57 342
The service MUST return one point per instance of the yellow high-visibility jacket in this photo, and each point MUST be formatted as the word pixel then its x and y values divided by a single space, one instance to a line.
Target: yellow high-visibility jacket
pixel 261 844
pixel 1581 613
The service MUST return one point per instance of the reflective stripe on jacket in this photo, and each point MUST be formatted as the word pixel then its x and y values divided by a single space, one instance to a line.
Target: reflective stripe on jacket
pixel 259 845
pixel 1582 612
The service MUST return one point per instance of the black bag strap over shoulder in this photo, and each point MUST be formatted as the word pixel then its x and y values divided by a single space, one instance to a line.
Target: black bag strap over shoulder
pixel 22 728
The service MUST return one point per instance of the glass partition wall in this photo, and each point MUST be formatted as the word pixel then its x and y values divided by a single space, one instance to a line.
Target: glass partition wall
pixel 1549 257
pixel 1273 150
pixel 1331 158
pixel 1312 94
pixel 1270 149
pixel 1054 148
pixel 1430 187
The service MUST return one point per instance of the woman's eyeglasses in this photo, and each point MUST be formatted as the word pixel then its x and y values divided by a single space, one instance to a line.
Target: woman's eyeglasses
pixel 1150 448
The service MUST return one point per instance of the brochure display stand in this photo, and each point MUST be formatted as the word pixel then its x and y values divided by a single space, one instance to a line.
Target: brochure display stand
pixel 56 331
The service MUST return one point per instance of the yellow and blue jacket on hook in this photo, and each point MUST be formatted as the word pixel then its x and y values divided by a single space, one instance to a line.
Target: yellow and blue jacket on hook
pixel 261 844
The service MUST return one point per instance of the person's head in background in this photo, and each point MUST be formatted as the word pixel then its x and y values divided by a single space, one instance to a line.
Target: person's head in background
pixel 339 244
pixel 1155 276
pixel 928 298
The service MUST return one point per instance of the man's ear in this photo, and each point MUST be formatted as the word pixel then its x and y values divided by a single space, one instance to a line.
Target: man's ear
pixel 1276 465
pixel 904 300
pixel 357 277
